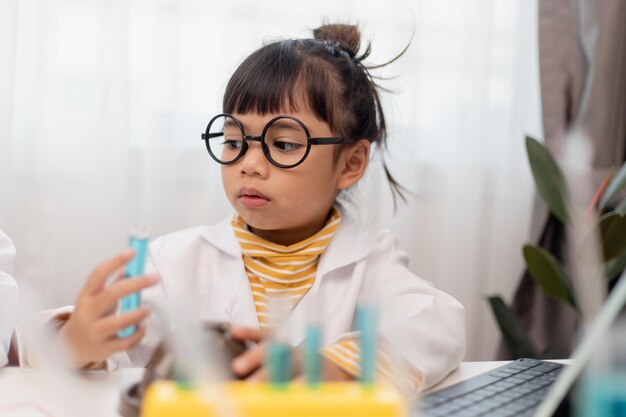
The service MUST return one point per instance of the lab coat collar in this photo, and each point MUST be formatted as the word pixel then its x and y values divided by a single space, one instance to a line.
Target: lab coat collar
pixel 349 245
pixel 222 236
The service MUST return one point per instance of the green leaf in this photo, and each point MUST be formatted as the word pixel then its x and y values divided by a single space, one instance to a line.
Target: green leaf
pixel 549 274
pixel 548 178
pixel 515 336
pixel 613 234
pixel 615 187
pixel 614 267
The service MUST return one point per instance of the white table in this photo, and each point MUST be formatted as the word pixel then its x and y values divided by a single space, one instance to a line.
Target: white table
pixel 45 394
pixel 31 393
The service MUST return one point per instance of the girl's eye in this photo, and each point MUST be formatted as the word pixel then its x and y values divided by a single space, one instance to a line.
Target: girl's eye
pixel 232 144
pixel 287 146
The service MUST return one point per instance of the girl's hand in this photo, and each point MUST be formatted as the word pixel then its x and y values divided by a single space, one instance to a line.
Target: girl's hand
pixel 251 362
pixel 91 331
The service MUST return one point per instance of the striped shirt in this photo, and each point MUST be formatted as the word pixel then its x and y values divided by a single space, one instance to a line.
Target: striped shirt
pixel 277 271
pixel 287 273
pixel 390 368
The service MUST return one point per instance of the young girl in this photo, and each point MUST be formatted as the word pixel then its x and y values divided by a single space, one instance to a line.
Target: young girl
pixel 299 118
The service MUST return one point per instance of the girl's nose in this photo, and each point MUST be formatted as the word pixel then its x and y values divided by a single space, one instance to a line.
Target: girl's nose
pixel 254 162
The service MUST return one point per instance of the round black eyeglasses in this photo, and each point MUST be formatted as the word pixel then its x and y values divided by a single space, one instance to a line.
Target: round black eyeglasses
pixel 285 140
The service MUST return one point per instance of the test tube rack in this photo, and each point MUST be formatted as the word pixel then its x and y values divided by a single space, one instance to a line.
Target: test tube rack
pixel 244 399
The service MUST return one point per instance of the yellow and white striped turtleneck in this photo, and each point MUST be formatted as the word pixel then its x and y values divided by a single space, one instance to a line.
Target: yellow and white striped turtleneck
pixel 281 271
pixel 288 272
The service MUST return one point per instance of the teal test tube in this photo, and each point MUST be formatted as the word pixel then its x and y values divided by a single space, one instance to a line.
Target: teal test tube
pixel 279 364
pixel 366 320
pixel 139 242
pixel 279 354
pixel 312 358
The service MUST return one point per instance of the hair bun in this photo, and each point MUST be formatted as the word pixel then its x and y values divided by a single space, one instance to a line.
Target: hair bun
pixel 347 36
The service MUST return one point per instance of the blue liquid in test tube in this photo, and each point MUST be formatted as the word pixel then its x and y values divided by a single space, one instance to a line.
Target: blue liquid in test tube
pixel 134 268
pixel 312 358
pixel 279 361
pixel 366 321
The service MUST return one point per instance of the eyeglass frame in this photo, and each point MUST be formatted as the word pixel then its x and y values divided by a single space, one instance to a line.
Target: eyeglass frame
pixel 335 140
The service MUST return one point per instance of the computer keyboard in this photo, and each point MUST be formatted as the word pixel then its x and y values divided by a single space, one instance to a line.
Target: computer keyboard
pixel 515 389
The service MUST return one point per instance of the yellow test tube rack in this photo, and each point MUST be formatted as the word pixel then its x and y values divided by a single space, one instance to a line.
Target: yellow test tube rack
pixel 244 399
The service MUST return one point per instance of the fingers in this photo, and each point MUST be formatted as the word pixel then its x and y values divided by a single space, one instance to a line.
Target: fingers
pixel 119 276
pixel 99 275
pixel 260 375
pixel 124 287
pixel 117 345
pixel 87 345
pixel 249 361
pixel 108 298
pixel 111 325
pixel 247 333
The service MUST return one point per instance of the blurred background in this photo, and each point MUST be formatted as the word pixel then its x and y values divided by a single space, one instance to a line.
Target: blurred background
pixel 102 104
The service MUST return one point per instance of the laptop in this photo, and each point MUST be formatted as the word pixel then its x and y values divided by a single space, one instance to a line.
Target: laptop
pixel 527 387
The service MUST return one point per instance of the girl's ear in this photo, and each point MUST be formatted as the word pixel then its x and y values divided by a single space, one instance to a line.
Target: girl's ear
pixel 352 163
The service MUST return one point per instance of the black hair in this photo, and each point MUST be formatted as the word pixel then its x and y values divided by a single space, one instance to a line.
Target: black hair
pixel 324 73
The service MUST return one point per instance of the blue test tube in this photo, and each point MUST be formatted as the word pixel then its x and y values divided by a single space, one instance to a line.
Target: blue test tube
pixel 366 321
pixel 139 242
pixel 279 352
pixel 279 364
pixel 312 357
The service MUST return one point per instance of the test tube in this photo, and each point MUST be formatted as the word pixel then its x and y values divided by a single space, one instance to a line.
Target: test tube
pixel 279 350
pixel 312 346
pixel 366 321
pixel 139 242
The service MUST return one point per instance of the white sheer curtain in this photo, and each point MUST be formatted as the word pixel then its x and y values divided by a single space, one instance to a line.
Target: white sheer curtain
pixel 102 104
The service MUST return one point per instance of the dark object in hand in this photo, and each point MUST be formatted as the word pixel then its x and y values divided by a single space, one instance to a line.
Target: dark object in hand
pixel 234 347
pixel 162 365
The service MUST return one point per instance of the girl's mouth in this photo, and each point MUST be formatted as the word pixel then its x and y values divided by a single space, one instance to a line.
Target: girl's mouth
pixel 249 197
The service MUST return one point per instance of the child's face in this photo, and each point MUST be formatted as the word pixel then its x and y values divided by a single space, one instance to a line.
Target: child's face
pixel 284 206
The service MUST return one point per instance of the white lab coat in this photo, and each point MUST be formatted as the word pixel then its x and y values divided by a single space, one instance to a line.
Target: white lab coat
pixel 8 296
pixel 423 325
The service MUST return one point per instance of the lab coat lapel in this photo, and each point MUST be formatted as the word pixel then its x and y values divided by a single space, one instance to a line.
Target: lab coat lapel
pixel 222 236
pixel 349 245
pixel 240 307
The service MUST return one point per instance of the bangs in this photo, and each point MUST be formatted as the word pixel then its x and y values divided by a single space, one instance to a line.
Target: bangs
pixel 285 77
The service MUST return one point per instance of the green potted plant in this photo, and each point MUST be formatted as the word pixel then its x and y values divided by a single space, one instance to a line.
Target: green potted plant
pixel 544 268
